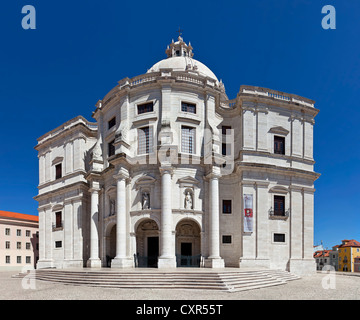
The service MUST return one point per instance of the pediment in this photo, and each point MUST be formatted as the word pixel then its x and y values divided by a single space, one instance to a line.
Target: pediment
pixel 57 160
pixel 189 181
pixel 279 189
pixel 57 207
pixel 279 130
pixel 145 180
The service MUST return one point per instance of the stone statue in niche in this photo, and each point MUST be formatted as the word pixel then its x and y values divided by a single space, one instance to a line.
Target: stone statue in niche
pixel 188 200
pixel 112 207
pixel 145 200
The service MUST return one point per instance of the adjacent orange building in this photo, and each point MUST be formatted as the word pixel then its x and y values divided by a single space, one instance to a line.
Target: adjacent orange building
pixel 349 250
pixel 19 240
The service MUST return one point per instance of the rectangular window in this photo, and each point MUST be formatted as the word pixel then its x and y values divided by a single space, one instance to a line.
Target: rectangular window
pixel 188 107
pixel 58 171
pixel 111 148
pixel 279 205
pixel 279 145
pixel 279 237
pixel 18 245
pixel 187 139
pixel 18 259
pixel 58 244
pixel 7 244
pixel 226 239
pixel 227 206
pixel 58 219
pixel 7 231
pixel 18 232
pixel 145 140
pixel 27 233
pixel 111 123
pixel 28 259
pixel 28 246
pixel 145 107
pixel 7 259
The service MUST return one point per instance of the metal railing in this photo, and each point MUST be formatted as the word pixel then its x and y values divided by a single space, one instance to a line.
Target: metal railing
pixel 145 261
pixel 275 214
pixel 188 261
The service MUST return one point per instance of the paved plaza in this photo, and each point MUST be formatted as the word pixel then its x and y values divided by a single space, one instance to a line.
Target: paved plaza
pixel 343 287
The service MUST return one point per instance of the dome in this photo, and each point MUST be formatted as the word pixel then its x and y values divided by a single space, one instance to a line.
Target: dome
pixel 183 64
pixel 180 59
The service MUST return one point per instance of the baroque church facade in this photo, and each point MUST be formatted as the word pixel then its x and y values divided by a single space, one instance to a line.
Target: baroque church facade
pixel 173 174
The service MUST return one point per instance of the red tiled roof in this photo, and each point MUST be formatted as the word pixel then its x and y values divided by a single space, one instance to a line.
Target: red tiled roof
pixel 321 253
pixel 350 243
pixel 21 216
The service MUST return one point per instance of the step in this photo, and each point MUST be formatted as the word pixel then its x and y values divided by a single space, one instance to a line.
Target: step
pixel 230 281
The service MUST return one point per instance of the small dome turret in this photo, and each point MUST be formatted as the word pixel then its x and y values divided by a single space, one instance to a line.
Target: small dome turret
pixel 180 58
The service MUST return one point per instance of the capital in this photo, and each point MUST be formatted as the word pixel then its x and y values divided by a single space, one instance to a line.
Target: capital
pixel 122 173
pixel 166 169
pixel 94 186
pixel 214 173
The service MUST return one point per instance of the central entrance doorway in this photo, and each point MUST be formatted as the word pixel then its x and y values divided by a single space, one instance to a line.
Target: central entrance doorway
pixel 152 251
pixel 188 252
pixel 147 244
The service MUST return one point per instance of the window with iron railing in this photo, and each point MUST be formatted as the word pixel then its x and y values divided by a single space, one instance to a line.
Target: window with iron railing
pixel 145 140
pixel 188 107
pixel 187 139
pixel 145 107
pixel 279 205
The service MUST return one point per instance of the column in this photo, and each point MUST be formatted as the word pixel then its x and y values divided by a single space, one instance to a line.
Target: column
pixel 214 260
pixel 94 261
pixel 167 257
pixel 120 218
pixel 121 260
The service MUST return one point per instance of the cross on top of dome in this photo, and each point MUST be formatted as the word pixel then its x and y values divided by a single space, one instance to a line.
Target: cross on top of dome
pixel 180 33
pixel 179 48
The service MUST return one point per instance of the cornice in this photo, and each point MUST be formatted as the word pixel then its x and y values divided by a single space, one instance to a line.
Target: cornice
pixel 242 166
pixel 274 156
pixel 62 190
pixel 63 178
pixel 84 133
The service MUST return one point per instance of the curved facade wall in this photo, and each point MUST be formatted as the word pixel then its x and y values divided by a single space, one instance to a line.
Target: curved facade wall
pixel 165 172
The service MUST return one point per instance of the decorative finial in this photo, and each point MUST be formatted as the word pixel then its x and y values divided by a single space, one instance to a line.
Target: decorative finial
pixel 180 33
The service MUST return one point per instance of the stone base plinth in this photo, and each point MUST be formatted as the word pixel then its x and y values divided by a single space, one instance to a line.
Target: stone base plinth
pixel 215 263
pixel 122 263
pixel 302 267
pixel 42 264
pixel 93 263
pixel 72 264
pixel 164 263
pixel 254 263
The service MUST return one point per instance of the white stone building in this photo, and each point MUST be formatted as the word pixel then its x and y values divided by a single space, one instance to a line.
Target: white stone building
pixel 173 173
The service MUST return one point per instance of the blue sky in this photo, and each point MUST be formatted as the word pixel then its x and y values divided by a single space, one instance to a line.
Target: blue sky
pixel 80 49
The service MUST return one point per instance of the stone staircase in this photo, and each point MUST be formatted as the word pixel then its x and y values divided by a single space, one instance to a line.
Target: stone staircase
pixel 230 281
